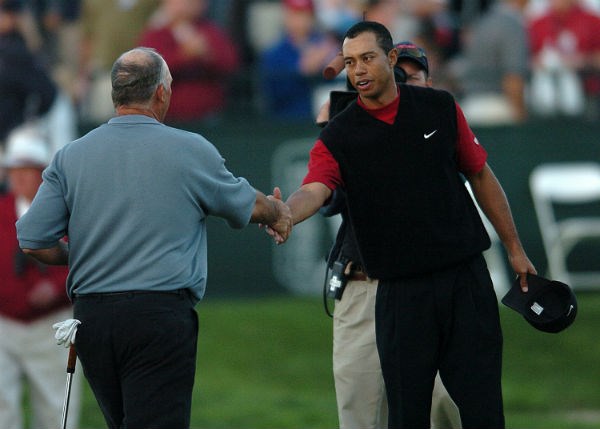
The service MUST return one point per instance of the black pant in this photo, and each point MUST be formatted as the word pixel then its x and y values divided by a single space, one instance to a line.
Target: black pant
pixel 138 353
pixel 448 321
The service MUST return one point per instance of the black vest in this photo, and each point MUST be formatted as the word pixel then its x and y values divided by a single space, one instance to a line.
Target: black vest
pixel 410 212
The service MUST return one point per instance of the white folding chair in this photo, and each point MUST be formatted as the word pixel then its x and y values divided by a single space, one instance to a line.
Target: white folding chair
pixel 567 184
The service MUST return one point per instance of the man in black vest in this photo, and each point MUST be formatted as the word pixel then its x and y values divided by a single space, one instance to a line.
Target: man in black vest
pixel 397 152
pixel 359 386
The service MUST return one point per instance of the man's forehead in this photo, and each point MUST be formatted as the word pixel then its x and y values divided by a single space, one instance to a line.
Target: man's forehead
pixel 361 44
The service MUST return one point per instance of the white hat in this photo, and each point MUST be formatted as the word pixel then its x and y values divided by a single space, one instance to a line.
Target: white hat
pixel 26 147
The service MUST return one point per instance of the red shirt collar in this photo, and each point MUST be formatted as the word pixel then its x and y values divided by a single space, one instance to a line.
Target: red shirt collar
pixel 386 113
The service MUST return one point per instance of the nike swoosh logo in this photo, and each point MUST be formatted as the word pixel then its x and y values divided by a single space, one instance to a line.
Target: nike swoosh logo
pixel 426 136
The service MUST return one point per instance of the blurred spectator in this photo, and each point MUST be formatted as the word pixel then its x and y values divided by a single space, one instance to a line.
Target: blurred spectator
pixel 428 23
pixel 386 12
pixel 437 29
pixel 54 36
pixel 292 68
pixel 48 17
pixel 399 16
pixel 238 29
pixel 108 28
pixel 32 298
pixel 58 25
pixel 220 12
pixel 496 64
pixel 336 16
pixel 565 42
pixel 201 56
pixel 26 89
pixel 467 12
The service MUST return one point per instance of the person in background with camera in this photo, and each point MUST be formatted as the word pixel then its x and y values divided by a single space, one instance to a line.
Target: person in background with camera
pixel 32 298
pixel 397 152
pixel 134 195
pixel 360 390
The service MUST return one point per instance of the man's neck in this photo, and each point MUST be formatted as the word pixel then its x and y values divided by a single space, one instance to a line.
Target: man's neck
pixel 382 101
pixel 137 110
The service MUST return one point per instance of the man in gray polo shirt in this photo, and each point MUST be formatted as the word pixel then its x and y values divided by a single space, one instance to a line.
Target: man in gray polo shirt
pixel 133 196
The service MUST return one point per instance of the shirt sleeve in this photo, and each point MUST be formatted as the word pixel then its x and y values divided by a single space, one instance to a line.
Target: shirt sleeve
pixel 471 156
pixel 221 193
pixel 46 221
pixel 322 167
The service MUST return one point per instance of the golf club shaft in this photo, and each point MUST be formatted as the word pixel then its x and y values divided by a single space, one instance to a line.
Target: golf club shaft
pixel 70 370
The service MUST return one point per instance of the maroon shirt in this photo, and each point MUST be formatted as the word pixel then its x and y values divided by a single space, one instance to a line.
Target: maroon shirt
pixel 20 274
pixel 199 82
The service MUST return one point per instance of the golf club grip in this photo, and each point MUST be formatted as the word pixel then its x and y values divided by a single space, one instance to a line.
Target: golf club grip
pixel 334 68
pixel 72 359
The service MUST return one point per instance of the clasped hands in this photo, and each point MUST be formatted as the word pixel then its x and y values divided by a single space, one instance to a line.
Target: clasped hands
pixel 281 229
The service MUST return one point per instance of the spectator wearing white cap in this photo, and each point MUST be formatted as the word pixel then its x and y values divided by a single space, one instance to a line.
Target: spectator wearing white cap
pixel 32 298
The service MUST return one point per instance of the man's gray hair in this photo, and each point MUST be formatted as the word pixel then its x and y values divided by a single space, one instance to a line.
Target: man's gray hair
pixel 136 75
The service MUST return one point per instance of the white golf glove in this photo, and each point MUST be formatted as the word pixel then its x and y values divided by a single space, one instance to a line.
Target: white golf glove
pixel 65 332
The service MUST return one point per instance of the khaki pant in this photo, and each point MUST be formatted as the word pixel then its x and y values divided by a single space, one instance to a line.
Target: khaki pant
pixel 30 357
pixel 359 386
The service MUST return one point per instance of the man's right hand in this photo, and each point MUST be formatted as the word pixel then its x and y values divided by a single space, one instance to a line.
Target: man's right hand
pixel 281 229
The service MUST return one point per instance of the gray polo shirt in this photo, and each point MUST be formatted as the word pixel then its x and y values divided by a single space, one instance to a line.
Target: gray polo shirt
pixel 133 196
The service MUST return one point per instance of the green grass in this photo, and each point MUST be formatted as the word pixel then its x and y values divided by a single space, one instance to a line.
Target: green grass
pixel 266 363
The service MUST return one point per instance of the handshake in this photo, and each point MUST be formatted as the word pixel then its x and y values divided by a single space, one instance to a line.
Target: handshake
pixel 277 219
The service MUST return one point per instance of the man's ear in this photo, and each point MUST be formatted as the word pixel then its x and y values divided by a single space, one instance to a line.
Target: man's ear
pixel 393 57
pixel 161 93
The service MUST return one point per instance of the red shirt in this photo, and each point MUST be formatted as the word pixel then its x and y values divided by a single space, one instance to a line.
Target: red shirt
pixel 199 82
pixel 573 33
pixel 19 275
pixel 323 168
pixel 576 31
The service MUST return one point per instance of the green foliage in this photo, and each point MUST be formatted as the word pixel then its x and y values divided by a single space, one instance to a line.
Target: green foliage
pixel 266 363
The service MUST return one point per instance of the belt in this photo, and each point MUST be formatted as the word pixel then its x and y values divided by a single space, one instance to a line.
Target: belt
pixel 357 274
pixel 131 293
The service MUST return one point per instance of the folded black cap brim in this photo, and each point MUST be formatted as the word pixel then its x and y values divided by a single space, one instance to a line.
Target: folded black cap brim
pixel 549 305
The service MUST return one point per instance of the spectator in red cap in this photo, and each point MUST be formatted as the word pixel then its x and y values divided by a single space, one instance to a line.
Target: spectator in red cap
pixel 291 68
